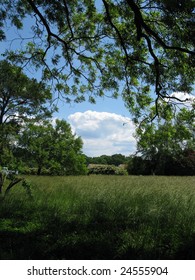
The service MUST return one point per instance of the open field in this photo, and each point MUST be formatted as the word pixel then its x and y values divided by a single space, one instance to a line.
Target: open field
pixel 100 217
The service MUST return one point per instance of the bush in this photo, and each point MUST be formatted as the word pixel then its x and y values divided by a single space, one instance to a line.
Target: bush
pixel 25 170
pixel 105 169
pixel 121 171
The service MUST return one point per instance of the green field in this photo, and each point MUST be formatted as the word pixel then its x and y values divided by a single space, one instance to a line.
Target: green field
pixel 100 217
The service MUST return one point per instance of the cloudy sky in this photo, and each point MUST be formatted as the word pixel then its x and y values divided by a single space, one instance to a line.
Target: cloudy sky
pixel 104 132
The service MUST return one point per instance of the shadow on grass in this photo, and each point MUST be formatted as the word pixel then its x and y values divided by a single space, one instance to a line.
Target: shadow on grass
pixel 57 239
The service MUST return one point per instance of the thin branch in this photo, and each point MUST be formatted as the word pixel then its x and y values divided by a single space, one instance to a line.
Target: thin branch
pixel 68 18
pixel 49 32
pixel 156 64
pixel 115 28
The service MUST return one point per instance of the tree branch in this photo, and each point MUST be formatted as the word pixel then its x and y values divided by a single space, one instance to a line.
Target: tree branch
pixel 68 18
pixel 140 25
pixel 115 28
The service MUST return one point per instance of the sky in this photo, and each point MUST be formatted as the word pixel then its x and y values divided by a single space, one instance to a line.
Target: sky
pixel 105 127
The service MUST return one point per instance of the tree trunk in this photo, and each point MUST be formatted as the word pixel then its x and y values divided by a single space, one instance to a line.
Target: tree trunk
pixel 13 183
pixel 39 170
pixel 1 182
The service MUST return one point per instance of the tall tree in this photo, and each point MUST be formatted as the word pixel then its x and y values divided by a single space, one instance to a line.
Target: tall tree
pixel 21 99
pixel 91 48
pixel 52 146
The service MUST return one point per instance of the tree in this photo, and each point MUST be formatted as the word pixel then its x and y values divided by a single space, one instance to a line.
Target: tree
pixel 92 48
pixel 168 141
pixel 53 147
pixel 21 99
pixel 34 143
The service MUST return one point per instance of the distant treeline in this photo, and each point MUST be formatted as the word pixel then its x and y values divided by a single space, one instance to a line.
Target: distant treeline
pixel 182 164
pixel 115 159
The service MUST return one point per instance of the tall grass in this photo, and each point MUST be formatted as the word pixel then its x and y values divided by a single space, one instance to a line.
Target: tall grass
pixel 100 217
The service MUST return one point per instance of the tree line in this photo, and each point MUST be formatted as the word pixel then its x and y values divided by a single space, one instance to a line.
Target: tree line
pixel 116 159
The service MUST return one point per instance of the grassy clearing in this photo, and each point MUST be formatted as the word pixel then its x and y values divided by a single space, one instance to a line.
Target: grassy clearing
pixel 100 217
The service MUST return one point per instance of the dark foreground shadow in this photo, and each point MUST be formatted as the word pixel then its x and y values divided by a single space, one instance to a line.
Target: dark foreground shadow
pixel 97 240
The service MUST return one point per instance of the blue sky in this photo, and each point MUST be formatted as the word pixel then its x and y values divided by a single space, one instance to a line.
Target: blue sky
pixel 104 104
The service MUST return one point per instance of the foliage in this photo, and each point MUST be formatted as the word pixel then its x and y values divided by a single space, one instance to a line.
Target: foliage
pixel 21 100
pixel 139 166
pixel 181 165
pixel 167 145
pixel 94 48
pixel 52 146
pixel 121 171
pixel 100 217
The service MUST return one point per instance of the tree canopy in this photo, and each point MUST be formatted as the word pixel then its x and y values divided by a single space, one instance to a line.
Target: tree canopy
pixel 142 49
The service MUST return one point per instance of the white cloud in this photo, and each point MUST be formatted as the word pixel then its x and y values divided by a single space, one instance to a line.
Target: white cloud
pixel 104 133
pixel 184 96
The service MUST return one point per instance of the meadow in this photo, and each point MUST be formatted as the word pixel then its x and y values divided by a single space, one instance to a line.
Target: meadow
pixel 99 217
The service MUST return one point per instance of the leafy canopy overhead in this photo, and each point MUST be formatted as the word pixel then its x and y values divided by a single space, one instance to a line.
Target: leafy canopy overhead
pixel 141 49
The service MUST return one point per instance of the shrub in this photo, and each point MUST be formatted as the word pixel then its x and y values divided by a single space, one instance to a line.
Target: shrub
pixel 105 169
pixel 121 171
